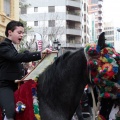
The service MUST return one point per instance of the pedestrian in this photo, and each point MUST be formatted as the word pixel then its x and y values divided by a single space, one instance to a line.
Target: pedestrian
pixel 10 66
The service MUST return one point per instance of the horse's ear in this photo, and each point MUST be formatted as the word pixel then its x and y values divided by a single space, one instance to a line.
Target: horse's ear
pixel 101 40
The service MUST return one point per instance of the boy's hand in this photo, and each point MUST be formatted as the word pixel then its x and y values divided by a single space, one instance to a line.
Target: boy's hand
pixel 47 50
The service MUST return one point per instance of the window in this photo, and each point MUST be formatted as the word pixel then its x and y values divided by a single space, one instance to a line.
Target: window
pixel 23 10
pixel 94 1
pixel 51 23
pixel 35 23
pixel 85 17
pixel 85 28
pixel 84 6
pixel 35 9
pixel 7 7
pixel 51 9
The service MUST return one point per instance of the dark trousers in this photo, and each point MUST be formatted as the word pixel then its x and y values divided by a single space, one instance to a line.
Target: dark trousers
pixel 7 98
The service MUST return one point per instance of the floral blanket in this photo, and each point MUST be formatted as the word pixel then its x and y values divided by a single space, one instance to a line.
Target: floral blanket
pixel 26 102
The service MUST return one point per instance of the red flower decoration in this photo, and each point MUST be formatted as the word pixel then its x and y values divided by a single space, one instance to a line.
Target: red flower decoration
pixel 94 73
pixel 96 80
pixel 106 95
pixel 100 117
pixel 105 51
pixel 110 75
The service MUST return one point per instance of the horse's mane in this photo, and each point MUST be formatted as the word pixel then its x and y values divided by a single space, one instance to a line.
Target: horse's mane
pixel 54 75
pixel 51 69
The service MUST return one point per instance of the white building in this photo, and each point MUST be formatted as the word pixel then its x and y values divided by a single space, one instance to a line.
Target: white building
pixel 62 20
pixel 96 9
pixel 112 35
pixel 117 39
pixel 92 28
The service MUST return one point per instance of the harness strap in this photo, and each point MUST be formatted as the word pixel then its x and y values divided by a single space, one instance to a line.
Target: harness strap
pixel 91 90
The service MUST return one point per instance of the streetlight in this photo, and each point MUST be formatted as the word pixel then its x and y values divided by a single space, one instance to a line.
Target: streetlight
pixel 56 45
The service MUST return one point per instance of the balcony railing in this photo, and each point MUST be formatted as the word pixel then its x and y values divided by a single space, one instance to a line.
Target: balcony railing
pixel 75 0
pixel 76 45
pixel 73 31
pixel 73 17
pixel 100 3
pixel 71 27
pixel 74 3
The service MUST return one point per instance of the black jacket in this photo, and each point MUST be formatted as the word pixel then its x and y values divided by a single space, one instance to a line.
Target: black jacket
pixel 10 61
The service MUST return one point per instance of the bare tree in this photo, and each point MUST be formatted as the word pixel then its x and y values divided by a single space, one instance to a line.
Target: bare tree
pixel 25 45
pixel 57 28
pixel 54 30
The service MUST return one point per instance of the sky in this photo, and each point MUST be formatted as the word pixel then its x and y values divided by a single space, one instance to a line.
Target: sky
pixel 111 10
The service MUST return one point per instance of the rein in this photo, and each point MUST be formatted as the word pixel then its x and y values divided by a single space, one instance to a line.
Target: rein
pixel 91 88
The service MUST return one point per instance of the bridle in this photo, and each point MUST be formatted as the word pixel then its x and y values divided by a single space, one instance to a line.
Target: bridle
pixel 107 61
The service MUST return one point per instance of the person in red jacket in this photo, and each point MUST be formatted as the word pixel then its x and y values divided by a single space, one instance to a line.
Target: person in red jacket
pixel 11 68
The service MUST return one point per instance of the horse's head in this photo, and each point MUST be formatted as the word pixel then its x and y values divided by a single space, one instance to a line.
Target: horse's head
pixel 104 66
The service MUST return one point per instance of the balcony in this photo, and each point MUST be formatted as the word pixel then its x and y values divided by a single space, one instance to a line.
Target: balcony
pixel 73 13
pixel 100 15
pixel 75 3
pixel 100 9
pixel 100 27
pixel 100 3
pixel 100 21
pixel 75 45
pixel 73 17
pixel 73 31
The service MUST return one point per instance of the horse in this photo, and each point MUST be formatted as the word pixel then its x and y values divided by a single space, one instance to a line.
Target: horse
pixel 61 85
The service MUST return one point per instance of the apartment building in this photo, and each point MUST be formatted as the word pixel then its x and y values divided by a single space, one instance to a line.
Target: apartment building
pixel 63 20
pixel 92 28
pixel 86 23
pixel 9 10
pixel 117 39
pixel 112 35
pixel 109 32
pixel 96 9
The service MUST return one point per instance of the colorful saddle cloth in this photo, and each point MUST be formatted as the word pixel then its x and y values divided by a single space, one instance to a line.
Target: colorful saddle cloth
pixel 26 102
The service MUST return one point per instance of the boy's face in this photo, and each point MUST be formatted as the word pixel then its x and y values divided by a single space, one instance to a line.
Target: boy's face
pixel 16 35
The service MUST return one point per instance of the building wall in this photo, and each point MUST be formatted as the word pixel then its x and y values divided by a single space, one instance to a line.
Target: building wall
pixel 68 16
pixel 112 35
pixel 7 15
pixel 109 32
pixel 96 9
pixel 117 39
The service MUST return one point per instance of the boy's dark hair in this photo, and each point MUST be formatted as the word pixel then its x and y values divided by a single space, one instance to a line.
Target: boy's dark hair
pixel 12 26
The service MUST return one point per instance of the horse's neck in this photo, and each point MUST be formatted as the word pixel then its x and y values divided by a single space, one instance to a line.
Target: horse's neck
pixel 62 89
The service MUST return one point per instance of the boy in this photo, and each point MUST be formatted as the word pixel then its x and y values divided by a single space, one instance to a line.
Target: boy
pixel 11 68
